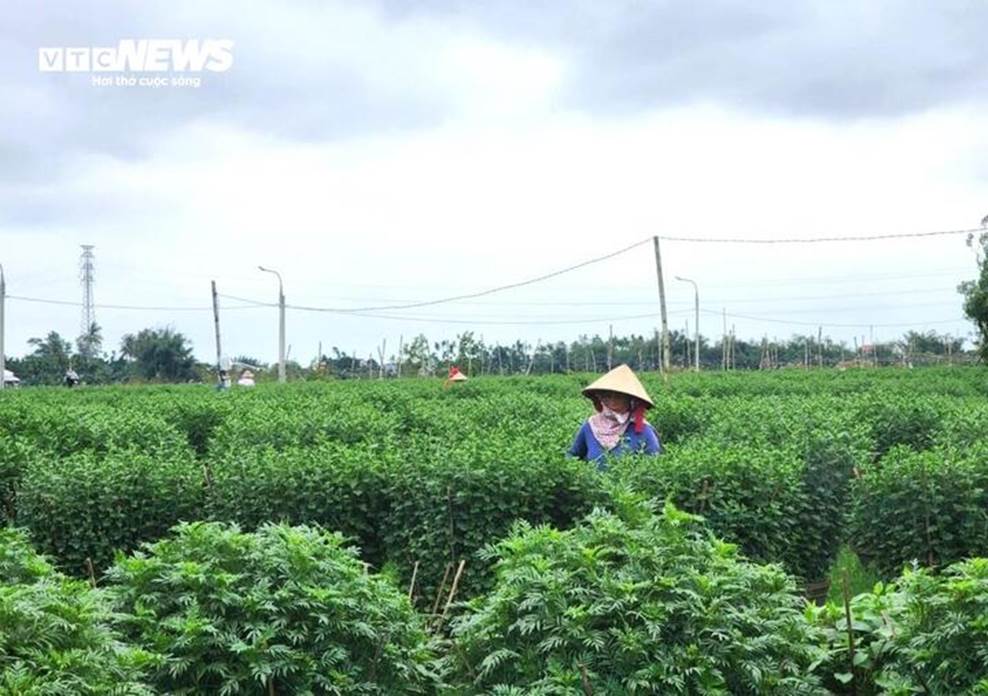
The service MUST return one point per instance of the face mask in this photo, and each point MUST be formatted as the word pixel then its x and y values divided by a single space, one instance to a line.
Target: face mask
pixel 615 416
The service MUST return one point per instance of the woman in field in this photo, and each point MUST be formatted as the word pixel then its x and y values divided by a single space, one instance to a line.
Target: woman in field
pixel 618 427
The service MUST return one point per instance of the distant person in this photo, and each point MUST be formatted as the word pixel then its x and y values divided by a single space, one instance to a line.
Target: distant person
pixel 454 376
pixel 71 378
pixel 246 379
pixel 618 427
pixel 224 382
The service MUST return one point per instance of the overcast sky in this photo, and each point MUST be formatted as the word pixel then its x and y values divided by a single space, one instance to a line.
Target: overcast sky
pixel 388 151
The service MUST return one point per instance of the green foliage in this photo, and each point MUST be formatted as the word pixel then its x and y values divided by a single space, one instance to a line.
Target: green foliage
pixel 860 577
pixel 282 610
pixel 750 496
pixel 976 295
pixel 84 506
pixel 49 361
pixel 446 510
pixel 901 419
pixel 925 633
pixel 930 507
pixel 651 607
pixel 941 643
pixel 337 486
pixel 55 634
pixel 159 354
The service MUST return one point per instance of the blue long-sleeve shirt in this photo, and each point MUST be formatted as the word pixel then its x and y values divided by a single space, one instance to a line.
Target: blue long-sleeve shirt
pixel 586 447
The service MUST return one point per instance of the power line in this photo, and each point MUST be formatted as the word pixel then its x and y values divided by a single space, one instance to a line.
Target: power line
pixel 627 317
pixel 829 280
pixel 639 303
pixel 817 240
pixel 68 303
pixel 253 304
pixel 468 296
pixel 830 324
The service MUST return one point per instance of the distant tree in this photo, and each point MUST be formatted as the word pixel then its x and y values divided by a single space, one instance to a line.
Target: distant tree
pixel 418 357
pixel 159 354
pixel 89 344
pixel 47 364
pixel 249 360
pixel 468 352
pixel 976 294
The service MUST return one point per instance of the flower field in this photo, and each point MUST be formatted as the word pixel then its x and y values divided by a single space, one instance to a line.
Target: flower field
pixel 397 537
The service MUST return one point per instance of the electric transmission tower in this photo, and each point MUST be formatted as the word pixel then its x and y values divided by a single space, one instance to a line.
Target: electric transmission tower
pixel 87 268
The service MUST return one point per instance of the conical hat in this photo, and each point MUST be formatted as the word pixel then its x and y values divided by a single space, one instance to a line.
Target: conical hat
pixel 458 377
pixel 620 379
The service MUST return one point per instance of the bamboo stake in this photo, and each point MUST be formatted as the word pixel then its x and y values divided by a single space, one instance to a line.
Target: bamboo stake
pixel 411 586
pixel 91 571
pixel 452 593
pixel 442 586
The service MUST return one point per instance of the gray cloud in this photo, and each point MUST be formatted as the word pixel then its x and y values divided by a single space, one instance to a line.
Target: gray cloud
pixel 820 59
pixel 284 83
pixel 291 79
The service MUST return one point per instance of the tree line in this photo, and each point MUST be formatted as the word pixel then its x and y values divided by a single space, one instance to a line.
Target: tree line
pixel 165 355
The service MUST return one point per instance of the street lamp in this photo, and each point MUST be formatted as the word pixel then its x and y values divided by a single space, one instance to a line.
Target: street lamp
pixel 281 324
pixel 696 297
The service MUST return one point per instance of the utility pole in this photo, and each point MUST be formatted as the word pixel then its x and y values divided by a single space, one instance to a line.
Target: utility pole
pixel 216 325
pixel 401 347
pixel 696 300
pixel 730 357
pixel 686 346
pixel 662 305
pixel 281 324
pixel 874 353
pixel 3 301
pixel 819 344
pixel 723 342
pixel 610 347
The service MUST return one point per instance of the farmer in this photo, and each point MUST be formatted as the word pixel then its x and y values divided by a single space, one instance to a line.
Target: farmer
pixel 618 427
pixel 454 376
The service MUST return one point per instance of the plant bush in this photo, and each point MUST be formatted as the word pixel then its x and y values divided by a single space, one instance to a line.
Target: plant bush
pixel 650 606
pixel 339 487
pixel 750 496
pixel 55 633
pixel 445 510
pixel 84 506
pixel 941 643
pixel 924 633
pixel 901 419
pixel 283 610
pixel 930 507
pixel 15 454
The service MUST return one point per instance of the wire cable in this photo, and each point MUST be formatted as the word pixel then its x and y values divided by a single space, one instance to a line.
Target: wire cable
pixel 830 324
pixel 468 296
pixel 818 240
pixel 70 303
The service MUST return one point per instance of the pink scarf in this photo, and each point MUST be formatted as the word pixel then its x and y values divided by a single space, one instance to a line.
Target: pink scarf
pixel 608 427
